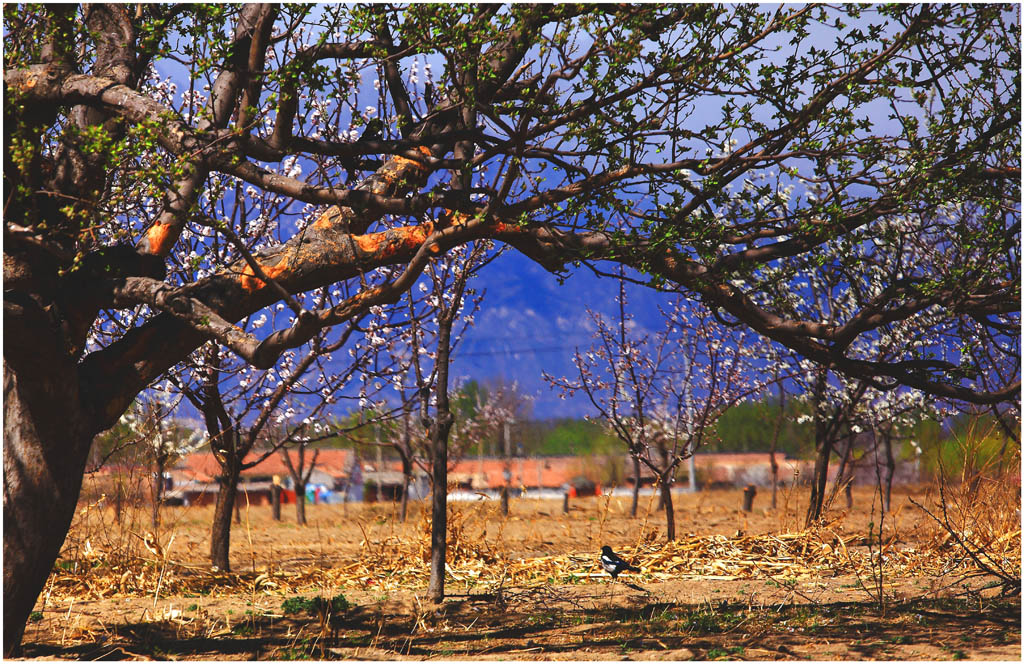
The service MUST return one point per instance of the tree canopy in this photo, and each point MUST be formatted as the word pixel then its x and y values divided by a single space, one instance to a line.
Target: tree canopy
pixel 725 151
pixel 172 170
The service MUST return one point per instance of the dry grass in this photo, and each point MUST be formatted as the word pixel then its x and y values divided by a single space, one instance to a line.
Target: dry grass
pixel 533 574
pixel 486 551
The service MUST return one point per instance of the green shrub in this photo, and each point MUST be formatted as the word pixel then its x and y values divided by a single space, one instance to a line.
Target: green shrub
pixel 315 605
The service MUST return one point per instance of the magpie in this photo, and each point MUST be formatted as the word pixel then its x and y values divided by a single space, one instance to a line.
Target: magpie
pixel 614 565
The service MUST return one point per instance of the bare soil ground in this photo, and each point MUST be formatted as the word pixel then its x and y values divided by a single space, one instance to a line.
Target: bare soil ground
pixel 527 586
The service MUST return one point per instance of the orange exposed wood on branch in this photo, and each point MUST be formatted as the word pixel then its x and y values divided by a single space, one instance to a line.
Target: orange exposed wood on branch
pixel 27 82
pixel 403 161
pixel 161 238
pixel 327 220
pixel 251 282
pixel 391 242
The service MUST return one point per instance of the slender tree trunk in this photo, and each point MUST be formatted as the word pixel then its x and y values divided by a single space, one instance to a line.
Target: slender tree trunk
pixel 220 537
pixel 775 476
pixel 748 497
pixel 300 475
pixel 119 494
pixel 819 480
pixel 442 426
pixel 439 509
pixel 300 502
pixel 665 470
pixel 158 494
pixel 406 477
pixel 841 472
pixel 666 501
pixel 46 445
pixel 406 453
pixel 275 501
pixel 636 486
pixel 775 440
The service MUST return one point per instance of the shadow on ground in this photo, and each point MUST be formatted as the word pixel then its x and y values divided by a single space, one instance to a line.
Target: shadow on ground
pixel 527 626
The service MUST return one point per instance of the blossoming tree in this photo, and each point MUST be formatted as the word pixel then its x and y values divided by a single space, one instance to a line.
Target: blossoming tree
pixel 150 421
pixel 661 393
pixel 660 137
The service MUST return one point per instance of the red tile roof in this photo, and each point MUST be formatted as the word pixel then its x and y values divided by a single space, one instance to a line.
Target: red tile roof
pixel 550 472
pixel 203 467
pixel 489 473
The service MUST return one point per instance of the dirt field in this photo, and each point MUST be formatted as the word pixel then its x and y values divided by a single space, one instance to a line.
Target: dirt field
pixel 735 585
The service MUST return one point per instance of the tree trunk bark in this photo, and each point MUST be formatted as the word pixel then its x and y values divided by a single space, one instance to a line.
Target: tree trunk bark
pixel 45 452
pixel 220 537
pixel 158 495
pixel 405 451
pixel 819 479
pixel 406 476
pixel 841 472
pixel 666 501
pixel 775 477
pixel 300 502
pixel 775 440
pixel 748 497
pixel 119 492
pixel 636 486
pixel 439 508
pixel 442 426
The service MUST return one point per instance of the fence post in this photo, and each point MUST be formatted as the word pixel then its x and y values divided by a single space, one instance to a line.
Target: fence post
pixel 748 497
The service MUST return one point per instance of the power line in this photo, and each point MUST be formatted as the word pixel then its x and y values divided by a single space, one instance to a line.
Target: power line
pixel 539 349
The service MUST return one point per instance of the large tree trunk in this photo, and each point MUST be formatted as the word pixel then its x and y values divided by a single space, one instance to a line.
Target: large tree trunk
pixel 220 536
pixel 46 447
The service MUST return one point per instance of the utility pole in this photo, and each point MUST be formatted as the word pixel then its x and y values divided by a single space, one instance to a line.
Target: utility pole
pixel 508 470
pixel 691 462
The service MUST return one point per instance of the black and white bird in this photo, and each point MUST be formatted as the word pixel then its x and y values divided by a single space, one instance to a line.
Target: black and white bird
pixel 613 564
